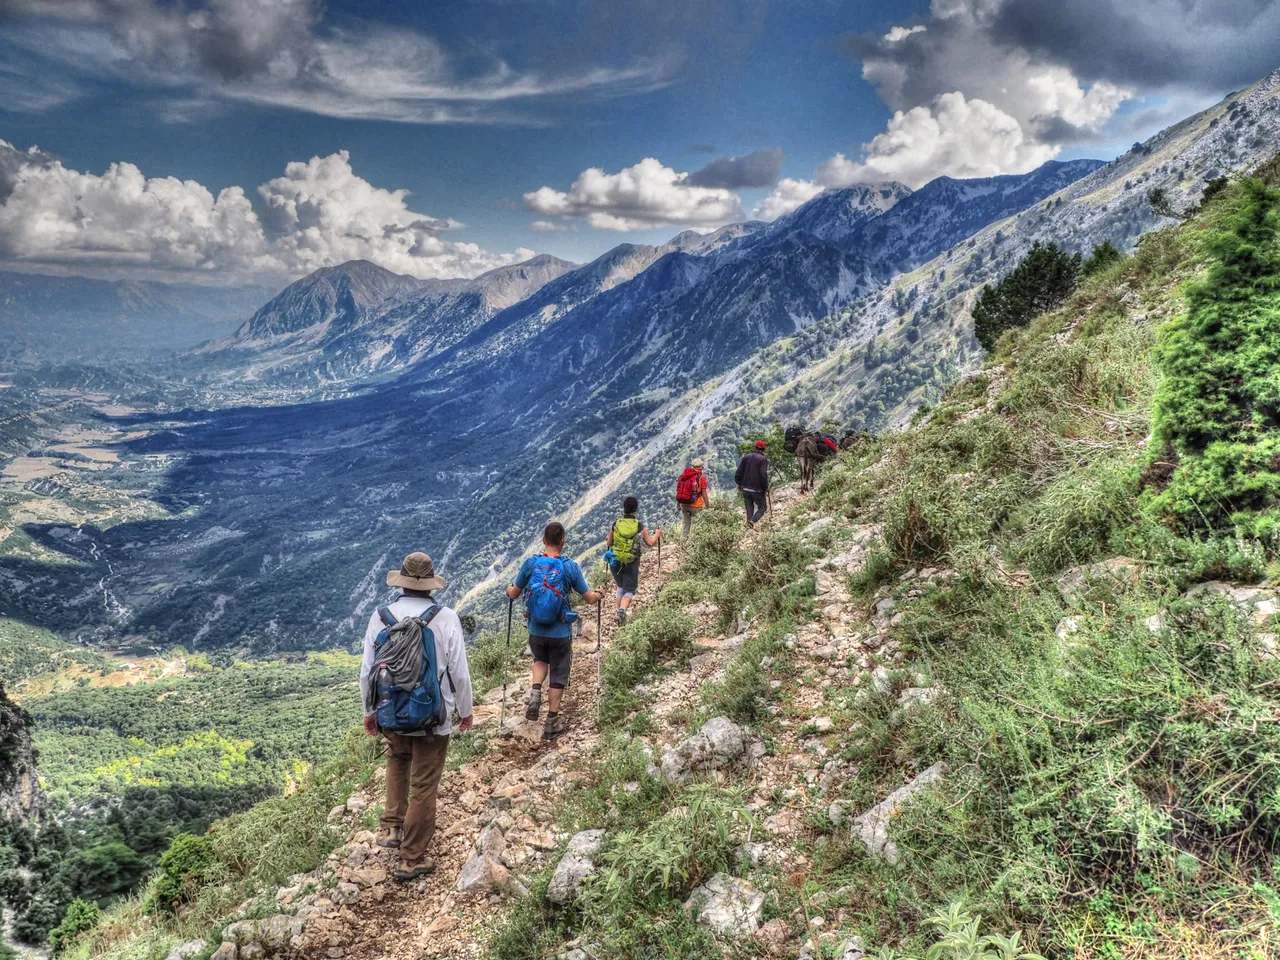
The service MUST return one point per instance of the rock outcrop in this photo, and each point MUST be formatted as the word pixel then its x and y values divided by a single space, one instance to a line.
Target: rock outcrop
pixel 727 906
pixel 575 866
pixel 20 794
pixel 873 826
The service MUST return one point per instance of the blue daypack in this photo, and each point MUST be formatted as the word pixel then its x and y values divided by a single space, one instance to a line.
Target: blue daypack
pixel 423 707
pixel 547 601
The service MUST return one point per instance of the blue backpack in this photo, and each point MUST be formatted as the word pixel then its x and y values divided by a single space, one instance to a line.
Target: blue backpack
pixel 548 597
pixel 423 707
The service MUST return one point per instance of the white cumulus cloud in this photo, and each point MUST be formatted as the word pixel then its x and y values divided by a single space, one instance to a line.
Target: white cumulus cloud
pixel 970 100
pixel 952 136
pixel 123 223
pixel 646 195
pixel 789 194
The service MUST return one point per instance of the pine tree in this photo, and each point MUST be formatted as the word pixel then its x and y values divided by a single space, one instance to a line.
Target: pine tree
pixel 1104 255
pixel 1043 280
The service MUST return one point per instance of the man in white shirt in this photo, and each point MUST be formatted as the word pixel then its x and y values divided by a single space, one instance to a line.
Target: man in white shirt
pixel 415 761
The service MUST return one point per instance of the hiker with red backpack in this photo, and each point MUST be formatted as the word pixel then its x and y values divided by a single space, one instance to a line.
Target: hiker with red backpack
pixel 549 578
pixel 691 494
pixel 623 554
pixel 752 479
pixel 413 678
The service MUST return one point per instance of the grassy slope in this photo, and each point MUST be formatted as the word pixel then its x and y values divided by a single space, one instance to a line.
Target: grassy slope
pixel 1112 791
pixel 1110 794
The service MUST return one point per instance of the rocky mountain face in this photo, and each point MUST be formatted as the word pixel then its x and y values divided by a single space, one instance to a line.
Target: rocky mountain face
pixel 20 795
pixel 357 319
pixel 46 318
pixel 500 417
pixel 596 383
pixel 919 327
pixel 759 280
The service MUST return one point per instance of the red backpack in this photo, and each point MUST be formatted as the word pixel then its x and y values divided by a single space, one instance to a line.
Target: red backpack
pixel 688 486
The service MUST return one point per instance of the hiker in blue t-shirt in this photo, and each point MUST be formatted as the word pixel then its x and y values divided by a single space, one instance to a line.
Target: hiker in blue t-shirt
pixel 550 580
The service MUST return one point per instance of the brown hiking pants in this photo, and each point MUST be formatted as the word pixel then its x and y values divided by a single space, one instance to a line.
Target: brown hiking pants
pixel 414 768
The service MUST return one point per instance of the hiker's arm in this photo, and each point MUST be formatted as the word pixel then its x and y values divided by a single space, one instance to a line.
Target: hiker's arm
pixel 764 472
pixel 737 474
pixel 366 678
pixel 608 541
pixel 578 582
pixel 651 539
pixel 460 674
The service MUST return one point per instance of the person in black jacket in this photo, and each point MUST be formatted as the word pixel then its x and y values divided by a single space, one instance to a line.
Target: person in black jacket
pixel 752 479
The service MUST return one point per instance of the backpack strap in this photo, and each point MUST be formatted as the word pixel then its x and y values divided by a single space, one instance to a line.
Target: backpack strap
pixel 387 617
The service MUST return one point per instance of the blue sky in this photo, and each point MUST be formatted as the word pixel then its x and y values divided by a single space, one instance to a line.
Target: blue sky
pixel 488 113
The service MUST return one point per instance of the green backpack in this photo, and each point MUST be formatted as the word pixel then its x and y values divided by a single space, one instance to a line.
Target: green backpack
pixel 625 532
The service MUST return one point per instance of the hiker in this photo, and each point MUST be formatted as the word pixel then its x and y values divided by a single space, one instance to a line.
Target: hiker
pixel 691 494
pixel 624 542
pixel 549 577
pixel 409 700
pixel 752 478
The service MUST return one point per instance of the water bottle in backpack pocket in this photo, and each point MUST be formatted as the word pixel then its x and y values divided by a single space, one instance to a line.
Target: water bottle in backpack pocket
pixel 421 707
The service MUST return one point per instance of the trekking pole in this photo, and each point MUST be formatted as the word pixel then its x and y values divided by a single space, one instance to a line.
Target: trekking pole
pixel 769 496
pixel 599 636
pixel 506 662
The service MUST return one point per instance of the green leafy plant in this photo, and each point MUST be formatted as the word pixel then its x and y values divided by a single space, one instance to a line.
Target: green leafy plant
pixel 959 939
pixel 182 869
pixel 80 916
pixel 1218 406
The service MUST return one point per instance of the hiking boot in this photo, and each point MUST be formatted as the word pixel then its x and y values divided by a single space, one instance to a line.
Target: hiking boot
pixel 622 616
pixel 535 704
pixel 389 838
pixel 413 871
pixel 555 726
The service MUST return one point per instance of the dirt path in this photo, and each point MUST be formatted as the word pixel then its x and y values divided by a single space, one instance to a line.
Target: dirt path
pixel 517 786
pixel 519 780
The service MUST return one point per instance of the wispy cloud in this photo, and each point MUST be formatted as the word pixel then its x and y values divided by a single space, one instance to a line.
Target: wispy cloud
pixel 280 53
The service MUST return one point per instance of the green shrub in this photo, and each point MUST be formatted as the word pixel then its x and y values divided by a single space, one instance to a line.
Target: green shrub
pixel 649 636
pixel 1218 405
pixel 186 865
pixel 80 916
pixel 959 939
pixel 713 539
pixel 1094 763
pixel 1104 257
pixel 633 906
pixel 1078 518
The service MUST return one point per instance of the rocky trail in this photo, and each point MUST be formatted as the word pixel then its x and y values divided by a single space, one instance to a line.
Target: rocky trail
pixel 497 819
pixel 498 811
pixel 495 822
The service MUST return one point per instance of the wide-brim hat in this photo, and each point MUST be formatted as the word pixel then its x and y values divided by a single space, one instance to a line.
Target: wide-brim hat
pixel 416 573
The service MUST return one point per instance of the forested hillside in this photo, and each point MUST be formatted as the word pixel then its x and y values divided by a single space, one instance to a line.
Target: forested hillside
pixel 132 755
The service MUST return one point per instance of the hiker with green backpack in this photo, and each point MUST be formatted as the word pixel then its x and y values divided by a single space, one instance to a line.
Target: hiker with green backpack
pixel 549 578
pixel 623 555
